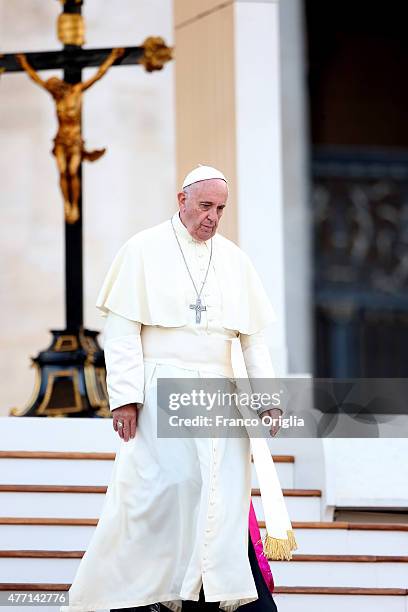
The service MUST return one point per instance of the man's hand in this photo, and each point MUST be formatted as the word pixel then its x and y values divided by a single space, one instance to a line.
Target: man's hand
pixel 274 413
pixel 127 415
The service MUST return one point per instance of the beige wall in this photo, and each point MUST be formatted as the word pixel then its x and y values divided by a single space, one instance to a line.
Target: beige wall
pixel 186 10
pixel 205 93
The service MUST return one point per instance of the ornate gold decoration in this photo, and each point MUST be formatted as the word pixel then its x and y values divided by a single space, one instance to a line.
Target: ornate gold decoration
pixel 77 407
pixel 95 380
pixel 95 377
pixel 71 29
pixel 96 391
pixel 156 53
pixel 69 147
pixel 37 384
pixel 42 408
pixel 104 412
pixel 66 343
pixel 89 345
pixel 76 386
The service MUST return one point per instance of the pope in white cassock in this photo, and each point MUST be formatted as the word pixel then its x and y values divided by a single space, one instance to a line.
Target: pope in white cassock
pixel 174 525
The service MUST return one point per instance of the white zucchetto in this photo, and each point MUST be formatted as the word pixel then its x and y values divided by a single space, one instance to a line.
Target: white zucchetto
pixel 202 173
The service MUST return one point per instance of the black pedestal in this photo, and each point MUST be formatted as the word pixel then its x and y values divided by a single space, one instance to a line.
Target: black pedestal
pixel 70 378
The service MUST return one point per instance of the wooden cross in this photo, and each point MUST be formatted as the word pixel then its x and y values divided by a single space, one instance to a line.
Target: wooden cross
pixel 72 59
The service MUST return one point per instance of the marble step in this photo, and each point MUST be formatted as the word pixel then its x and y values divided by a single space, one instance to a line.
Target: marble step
pixel 322 599
pixel 82 501
pixel 302 504
pixel 368 571
pixel 343 538
pixel 312 537
pixel 82 468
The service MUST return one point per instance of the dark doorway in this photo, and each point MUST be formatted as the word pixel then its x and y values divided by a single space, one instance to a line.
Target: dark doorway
pixel 358 99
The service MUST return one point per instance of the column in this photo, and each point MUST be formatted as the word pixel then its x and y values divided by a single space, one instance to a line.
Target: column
pixel 228 114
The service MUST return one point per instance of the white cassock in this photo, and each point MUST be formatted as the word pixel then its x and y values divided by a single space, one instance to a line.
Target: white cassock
pixel 176 511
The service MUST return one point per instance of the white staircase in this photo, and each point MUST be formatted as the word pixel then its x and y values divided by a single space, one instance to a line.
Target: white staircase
pixel 52 490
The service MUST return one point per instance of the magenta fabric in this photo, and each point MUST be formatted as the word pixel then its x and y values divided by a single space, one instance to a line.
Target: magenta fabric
pixel 256 541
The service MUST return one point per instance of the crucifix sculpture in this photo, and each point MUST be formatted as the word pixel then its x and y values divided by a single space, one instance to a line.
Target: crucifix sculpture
pixel 70 373
pixel 69 146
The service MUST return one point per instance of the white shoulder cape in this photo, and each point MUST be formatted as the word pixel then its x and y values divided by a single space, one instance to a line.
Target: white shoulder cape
pixel 147 277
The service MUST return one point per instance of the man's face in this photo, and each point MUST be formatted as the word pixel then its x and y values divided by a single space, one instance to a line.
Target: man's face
pixel 201 207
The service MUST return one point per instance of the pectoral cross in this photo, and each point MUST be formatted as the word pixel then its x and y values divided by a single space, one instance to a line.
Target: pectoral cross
pixel 198 307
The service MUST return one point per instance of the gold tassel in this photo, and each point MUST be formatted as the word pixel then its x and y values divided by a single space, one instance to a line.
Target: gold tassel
pixel 279 549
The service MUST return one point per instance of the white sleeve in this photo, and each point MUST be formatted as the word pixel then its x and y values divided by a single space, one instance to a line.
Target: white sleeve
pixel 257 358
pixel 124 361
